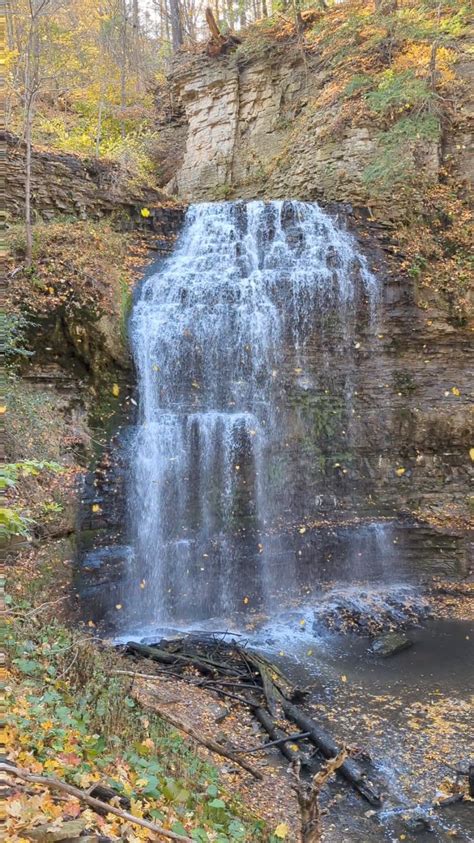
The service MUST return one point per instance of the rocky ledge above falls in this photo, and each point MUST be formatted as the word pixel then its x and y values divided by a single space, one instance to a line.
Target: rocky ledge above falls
pixel 248 128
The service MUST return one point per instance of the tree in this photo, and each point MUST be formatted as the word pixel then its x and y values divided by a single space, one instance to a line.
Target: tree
pixel 32 33
pixel 176 25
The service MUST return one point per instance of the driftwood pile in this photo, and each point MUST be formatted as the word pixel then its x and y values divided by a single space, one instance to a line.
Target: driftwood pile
pixel 235 672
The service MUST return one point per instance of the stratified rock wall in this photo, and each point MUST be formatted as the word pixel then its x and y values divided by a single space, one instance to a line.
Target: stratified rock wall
pixel 253 131
pixel 69 185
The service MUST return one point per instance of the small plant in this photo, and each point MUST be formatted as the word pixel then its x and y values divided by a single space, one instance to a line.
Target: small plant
pixel 12 472
pixel 13 524
pixel 403 383
pixel 223 192
pixel 13 329
pixel 394 161
pixel 359 82
pixel 51 507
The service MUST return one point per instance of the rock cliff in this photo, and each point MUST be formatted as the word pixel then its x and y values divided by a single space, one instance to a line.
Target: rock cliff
pixel 251 127
pixel 64 184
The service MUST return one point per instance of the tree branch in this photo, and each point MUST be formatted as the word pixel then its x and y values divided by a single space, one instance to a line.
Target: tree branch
pixel 97 804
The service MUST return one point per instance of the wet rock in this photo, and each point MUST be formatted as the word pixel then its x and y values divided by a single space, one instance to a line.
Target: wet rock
pixel 51 834
pixel 220 712
pixel 418 823
pixel 390 644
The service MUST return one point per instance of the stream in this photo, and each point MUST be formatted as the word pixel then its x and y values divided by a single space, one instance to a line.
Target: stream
pixel 251 510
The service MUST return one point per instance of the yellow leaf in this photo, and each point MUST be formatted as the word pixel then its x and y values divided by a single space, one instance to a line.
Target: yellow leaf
pixel 400 471
pixel 95 507
pixel 3 410
pixel 471 453
pixel 281 831
pixel 145 212
pixel 136 808
pixel 116 390
pixel 343 678
pixel 15 808
pixel 302 622
pixel 246 600
pixel 455 391
pixel 118 606
pixel 302 530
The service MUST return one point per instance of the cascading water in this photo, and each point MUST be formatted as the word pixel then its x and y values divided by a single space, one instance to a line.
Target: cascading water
pixel 220 338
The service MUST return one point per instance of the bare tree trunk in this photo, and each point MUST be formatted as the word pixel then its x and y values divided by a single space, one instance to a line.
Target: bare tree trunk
pixel 123 69
pixel 230 13
pixel 176 25
pixel 165 21
pixel 264 9
pixel 98 136
pixel 28 223
pixel 433 74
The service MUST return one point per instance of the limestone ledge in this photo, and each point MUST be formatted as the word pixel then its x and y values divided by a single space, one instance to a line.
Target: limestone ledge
pixel 253 130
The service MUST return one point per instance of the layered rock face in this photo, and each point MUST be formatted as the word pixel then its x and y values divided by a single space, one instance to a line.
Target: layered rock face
pixel 66 184
pixel 253 131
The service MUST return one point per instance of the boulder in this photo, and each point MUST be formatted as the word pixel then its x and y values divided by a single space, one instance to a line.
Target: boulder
pixel 390 644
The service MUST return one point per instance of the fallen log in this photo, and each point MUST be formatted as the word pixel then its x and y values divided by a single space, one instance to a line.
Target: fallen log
pixel 208 742
pixel 275 733
pixel 278 742
pixel 275 684
pixel 350 769
pixel 278 691
pixel 106 794
pixel 205 665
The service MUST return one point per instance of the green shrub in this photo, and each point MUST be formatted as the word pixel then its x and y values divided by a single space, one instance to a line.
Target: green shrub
pixel 13 329
pixel 394 162
pixel 11 472
pixel 359 82
pixel 397 91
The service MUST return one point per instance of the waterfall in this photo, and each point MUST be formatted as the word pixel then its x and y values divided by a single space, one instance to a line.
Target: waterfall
pixel 221 336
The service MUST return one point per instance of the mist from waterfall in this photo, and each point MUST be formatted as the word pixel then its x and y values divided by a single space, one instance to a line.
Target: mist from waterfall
pixel 217 334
